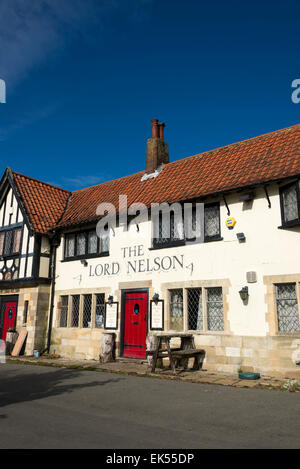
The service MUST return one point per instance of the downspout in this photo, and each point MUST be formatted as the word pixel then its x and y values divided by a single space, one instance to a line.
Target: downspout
pixel 54 244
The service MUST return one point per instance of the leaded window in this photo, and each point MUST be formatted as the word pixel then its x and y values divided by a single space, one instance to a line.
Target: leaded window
pixel 75 311
pixel 287 308
pixel 86 244
pixel 17 240
pixel 63 322
pixel 214 309
pixel 171 229
pixel 212 222
pixel 176 309
pixel 10 242
pixel 195 309
pixel 2 237
pixel 70 246
pixel 92 242
pixel 99 311
pixel 87 311
pixel 81 244
pixel 290 210
pixel 104 240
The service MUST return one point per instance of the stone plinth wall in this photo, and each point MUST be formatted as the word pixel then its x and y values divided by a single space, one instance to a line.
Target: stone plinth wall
pixel 274 356
pixel 80 344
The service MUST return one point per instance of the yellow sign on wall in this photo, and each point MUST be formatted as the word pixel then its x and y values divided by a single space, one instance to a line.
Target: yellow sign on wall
pixel 230 223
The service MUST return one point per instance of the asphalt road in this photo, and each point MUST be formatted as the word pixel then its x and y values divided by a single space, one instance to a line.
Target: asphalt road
pixel 43 407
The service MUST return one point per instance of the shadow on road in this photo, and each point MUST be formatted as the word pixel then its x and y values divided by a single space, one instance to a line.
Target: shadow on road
pixel 21 387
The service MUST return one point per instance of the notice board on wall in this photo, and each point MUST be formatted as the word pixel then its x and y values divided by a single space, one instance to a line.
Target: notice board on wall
pixel 111 315
pixel 157 315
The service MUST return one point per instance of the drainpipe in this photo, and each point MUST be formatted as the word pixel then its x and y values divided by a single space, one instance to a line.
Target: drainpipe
pixel 54 244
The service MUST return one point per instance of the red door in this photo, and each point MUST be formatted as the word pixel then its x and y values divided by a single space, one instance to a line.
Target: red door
pixel 8 319
pixel 135 324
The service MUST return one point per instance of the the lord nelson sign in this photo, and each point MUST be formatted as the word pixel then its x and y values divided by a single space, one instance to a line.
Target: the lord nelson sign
pixel 135 262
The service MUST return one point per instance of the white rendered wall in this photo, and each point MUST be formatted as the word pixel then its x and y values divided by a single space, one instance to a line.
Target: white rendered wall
pixel 267 251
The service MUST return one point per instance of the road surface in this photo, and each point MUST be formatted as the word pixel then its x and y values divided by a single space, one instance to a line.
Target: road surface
pixel 43 407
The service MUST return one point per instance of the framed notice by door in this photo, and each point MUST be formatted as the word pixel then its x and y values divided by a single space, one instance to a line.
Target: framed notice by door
pixel 111 315
pixel 157 315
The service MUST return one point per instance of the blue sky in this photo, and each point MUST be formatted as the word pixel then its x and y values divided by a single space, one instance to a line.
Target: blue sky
pixel 85 77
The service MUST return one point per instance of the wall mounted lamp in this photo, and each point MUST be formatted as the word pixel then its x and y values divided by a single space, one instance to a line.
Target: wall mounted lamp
pixel 244 294
pixel 110 299
pixel 155 298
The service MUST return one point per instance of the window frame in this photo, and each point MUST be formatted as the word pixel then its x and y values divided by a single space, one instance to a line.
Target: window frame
pixel 69 316
pixel 282 189
pixel 11 254
pixel 208 239
pixel 67 305
pixel 276 299
pixel 86 255
pixel 204 287
pixel 182 242
pixel 171 303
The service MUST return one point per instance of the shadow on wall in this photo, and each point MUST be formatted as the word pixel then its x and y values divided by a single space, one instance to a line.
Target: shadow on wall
pixel 21 386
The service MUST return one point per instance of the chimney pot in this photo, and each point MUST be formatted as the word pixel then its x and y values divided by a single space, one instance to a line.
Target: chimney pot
pixel 161 130
pixel 154 128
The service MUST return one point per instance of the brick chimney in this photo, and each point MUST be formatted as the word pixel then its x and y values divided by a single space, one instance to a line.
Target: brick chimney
pixel 157 148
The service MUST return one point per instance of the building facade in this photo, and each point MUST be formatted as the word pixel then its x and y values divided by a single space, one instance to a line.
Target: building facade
pixel 237 289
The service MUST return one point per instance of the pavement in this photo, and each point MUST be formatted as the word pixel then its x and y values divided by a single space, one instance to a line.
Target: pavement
pixel 141 368
pixel 60 407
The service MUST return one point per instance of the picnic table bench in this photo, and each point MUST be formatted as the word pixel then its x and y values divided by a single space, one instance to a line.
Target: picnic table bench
pixel 178 356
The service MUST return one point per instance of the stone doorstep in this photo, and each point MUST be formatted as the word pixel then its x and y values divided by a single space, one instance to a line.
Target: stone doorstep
pixel 136 368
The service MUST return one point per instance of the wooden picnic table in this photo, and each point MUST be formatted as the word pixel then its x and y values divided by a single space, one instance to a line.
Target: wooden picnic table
pixel 179 355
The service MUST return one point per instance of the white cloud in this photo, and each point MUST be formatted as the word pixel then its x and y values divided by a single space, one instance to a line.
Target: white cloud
pixel 78 182
pixel 30 30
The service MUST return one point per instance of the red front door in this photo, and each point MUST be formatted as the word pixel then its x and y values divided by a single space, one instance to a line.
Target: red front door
pixel 135 324
pixel 8 316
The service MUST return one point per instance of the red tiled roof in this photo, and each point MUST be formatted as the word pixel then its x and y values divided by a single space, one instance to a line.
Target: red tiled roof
pixel 262 159
pixel 44 203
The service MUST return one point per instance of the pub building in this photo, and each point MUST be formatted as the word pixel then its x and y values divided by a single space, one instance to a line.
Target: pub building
pixel 237 289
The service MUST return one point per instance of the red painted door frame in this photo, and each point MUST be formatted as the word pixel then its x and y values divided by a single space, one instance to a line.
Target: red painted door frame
pixel 134 323
pixel 8 314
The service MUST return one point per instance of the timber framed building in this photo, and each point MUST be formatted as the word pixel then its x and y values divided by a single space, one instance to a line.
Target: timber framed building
pixel 238 291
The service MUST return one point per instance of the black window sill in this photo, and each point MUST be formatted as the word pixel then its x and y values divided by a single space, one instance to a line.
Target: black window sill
pixel 293 224
pixel 168 245
pixel 183 243
pixel 87 256
pixel 6 257
pixel 210 240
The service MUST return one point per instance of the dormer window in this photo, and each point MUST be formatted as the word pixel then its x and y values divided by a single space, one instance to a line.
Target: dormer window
pixel 86 244
pixel 290 206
